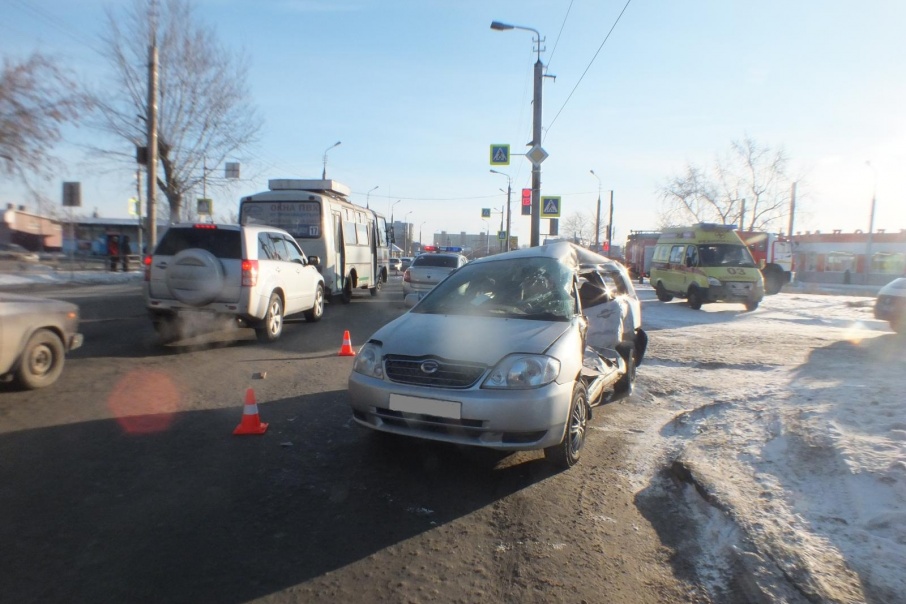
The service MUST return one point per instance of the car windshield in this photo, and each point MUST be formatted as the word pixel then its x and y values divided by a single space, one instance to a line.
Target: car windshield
pixel 525 288
pixel 725 255
pixel 436 260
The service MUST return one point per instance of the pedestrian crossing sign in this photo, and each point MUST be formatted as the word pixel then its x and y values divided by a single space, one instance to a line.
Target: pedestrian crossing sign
pixel 550 207
pixel 500 155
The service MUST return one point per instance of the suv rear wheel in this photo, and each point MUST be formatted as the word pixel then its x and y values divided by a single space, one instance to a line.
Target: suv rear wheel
pixel 272 326
pixel 317 310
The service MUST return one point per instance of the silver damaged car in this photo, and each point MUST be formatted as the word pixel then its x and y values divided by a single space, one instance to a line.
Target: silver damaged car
pixel 497 355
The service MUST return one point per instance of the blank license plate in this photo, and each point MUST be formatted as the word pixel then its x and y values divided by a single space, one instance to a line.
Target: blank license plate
pixel 426 406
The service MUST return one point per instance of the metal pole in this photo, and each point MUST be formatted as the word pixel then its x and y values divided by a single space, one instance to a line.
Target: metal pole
pixel 138 207
pixel 509 190
pixel 610 224
pixel 792 209
pixel 152 142
pixel 536 142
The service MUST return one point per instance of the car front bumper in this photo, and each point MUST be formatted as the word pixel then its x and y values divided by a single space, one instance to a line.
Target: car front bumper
pixel 510 420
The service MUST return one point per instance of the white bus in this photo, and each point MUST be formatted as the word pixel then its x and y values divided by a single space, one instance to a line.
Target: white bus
pixel 351 242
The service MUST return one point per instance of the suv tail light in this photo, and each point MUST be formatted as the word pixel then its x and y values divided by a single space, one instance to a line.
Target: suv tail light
pixel 249 273
pixel 407 277
pixel 146 263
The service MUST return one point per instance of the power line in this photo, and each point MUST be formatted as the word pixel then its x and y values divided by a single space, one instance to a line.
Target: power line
pixel 589 67
pixel 559 33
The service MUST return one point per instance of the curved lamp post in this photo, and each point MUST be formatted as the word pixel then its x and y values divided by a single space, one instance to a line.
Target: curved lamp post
pixel 509 191
pixel 534 239
pixel 368 195
pixel 324 171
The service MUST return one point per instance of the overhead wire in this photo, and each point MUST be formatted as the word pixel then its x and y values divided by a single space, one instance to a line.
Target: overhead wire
pixel 547 130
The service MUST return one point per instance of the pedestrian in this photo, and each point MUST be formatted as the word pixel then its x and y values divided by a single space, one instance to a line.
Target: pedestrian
pixel 125 250
pixel 113 251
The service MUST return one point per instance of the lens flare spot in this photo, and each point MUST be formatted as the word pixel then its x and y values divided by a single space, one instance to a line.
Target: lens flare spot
pixel 144 402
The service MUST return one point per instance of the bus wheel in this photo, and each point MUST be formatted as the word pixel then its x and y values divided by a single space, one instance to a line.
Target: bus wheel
pixel 376 289
pixel 346 296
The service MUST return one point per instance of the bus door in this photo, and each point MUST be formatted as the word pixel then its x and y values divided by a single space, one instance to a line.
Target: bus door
pixel 339 264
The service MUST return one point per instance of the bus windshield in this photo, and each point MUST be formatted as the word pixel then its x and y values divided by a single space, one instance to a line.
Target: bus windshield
pixel 301 219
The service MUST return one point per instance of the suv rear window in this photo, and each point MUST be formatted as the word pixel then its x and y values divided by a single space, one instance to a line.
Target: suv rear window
pixel 431 260
pixel 223 243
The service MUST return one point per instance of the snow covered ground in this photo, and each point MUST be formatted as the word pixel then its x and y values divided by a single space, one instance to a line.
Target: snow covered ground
pixel 788 423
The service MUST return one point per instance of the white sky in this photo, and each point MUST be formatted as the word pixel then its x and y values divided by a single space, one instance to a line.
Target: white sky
pixel 417 91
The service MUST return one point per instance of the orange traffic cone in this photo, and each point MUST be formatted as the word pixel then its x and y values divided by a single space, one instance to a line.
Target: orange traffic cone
pixel 346 350
pixel 251 423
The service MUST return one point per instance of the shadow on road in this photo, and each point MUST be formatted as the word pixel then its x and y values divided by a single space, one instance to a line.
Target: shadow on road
pixel 173 508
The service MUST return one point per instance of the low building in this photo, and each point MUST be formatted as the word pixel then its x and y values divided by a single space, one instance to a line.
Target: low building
pixel 849 258
pixel 32 231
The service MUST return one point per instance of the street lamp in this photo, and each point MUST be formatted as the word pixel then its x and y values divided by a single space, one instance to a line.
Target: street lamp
pixel 598 215
pixel 324 171
pixel 534 239
pixel 406 238
pixel 368 195
pixel 509 190
pixel 871 222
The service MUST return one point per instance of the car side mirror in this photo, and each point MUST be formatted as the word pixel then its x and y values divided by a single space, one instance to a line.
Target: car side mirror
pixel 314 261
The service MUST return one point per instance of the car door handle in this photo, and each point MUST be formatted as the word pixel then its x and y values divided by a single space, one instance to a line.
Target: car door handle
pixel 161 265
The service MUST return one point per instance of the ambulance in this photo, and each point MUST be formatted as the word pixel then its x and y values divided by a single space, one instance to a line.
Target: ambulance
pixel 705 263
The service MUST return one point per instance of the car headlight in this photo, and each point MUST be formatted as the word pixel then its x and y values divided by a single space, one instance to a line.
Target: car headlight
pixel 714 282
pixel 523 371
pixel 368 361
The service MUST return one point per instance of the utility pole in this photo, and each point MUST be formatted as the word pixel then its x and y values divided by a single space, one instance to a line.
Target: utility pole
pixel 598 215
pixel 610 224
pixel 138 206
pixel 792 209
pixel 535 239
pixel 152 131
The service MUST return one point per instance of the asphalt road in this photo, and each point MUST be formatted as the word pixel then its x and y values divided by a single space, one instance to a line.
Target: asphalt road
pixel 123 483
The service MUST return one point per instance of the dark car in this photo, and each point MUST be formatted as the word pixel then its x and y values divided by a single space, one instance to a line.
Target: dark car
pixel 890 305
pixel 35 335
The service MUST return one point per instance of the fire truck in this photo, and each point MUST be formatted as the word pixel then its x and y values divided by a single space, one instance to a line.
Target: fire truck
pixel 639 251
pixel 773 254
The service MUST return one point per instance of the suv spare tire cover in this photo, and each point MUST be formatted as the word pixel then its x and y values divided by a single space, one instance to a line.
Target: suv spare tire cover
pixel 195 277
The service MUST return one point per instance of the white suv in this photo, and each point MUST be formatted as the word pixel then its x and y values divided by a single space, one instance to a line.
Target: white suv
pixel 256 274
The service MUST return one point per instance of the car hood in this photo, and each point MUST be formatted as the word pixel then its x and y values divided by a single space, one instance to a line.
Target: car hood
pixel 33 303
pixel 477 339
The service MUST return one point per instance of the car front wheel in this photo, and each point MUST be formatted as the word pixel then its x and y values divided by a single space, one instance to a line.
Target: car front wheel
pixel 272 325
pixel 42 360
pixel 566 454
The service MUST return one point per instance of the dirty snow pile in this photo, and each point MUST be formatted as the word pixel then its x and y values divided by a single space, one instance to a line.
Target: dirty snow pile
pixel 791 427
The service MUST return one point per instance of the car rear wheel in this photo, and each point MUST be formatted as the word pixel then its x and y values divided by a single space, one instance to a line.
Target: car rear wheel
pixel 272 326
pixel 167 329
pixel 317 310
pixel 566 454
pixel 752 305
pixel 661 292
pixel 42 360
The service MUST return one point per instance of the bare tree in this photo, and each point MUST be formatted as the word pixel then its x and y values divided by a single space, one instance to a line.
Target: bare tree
pixel 580 228
pixel 205 113
pixel 36 99
pixel 748 186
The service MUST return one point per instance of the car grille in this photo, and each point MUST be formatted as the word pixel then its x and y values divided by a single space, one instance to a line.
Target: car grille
pixel 446 374
pixel 738 288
